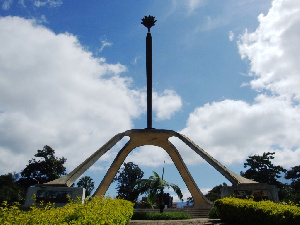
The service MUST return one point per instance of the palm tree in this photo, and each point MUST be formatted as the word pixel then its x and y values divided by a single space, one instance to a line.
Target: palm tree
pixel 155 186
pixel 87 183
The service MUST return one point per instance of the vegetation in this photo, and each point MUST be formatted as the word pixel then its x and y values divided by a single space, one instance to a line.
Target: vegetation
pixel 43 170
pixel 160 216
pixel 215 193
pixel 10 190
pixel 87 183
pixel 294 189
pixel 128 187
pixel 213 213
pixel 95 211
pixel 249 212
pixel 262 169
pixel 154 186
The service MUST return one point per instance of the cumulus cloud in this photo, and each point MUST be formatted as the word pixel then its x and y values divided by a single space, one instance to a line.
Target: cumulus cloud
pixel 272 50
pixel 54 92
pixel 148 155
pixel 231 130
pixel 166 104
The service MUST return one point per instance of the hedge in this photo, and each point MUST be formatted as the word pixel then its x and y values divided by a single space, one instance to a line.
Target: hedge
pixel 249 212
pixel 160 216
pixel 95 211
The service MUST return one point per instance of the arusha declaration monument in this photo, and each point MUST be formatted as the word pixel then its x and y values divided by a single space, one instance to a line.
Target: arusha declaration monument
pixel 156 137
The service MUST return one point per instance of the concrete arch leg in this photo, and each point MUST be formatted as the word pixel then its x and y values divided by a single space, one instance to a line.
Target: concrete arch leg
pixel 161 140
pixel 140 137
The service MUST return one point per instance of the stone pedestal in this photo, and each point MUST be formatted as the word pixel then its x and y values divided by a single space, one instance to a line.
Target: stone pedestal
pixel 258 191
pixel 57 195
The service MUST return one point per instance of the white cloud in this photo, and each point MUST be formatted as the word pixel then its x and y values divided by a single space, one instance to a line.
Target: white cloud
pixel 148 155
pixel 50 3
pixel 104 44
pixel 54 92
pixel 231 130
pixel 166 104
pixel 192 5
pixel 231 36
pixel 7 4
pixel 273 50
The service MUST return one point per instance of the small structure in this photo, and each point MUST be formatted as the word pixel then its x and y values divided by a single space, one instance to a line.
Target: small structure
pixel 58 195
pixel 258 191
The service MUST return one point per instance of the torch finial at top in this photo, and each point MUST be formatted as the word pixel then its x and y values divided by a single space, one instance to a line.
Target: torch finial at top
pixel 148 21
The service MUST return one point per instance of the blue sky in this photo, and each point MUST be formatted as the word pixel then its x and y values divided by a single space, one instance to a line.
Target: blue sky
pixel 225 74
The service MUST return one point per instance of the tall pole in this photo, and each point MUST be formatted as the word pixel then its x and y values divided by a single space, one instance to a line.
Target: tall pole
pixel 149 79
pixel 149 21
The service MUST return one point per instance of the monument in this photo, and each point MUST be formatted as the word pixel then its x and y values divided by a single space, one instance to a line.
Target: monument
pixel 156 137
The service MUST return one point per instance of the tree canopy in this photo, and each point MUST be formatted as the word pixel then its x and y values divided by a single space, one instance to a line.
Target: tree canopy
pixel 155 186
pixel 262 169
pixel 87 183
pixel 294 191
pixel 10 191
pixel 127 178
pixel 46 169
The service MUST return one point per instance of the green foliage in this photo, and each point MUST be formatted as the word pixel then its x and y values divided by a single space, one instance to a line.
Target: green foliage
pixel 215 193
pixel 95 211
pixel 154 186
pixel 213 213
pixel 160 216
pixel 10 191
pixel 294 189
pixel 42 171
pixel 87 183
pixel 249 212
pixel 127 178
pixel 262 169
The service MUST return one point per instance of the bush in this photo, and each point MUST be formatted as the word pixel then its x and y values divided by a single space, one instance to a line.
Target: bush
pixel 95 211
pixel 213 213
pixel 160 216
pixel 247 211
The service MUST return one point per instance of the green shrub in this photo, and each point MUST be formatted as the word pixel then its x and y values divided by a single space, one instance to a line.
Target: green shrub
pixel 213 213
pixel 95 211
pixel 247 211
pixel 160 216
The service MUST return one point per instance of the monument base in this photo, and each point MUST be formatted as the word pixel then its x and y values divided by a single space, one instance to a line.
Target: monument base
pixel 258 191
pixel 58 195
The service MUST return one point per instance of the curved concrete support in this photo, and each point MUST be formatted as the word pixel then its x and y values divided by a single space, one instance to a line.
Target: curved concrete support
pixel 231 176
pixel 70 178
pixel 160 139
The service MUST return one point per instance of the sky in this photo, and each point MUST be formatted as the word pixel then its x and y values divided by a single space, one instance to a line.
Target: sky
pixel 226 74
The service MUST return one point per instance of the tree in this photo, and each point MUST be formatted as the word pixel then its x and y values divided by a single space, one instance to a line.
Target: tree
pixel 262 169
pixel 155 186
pixel 41 171
pixel 127 178
pixel 294 175
pixel 10 191
pixel 87 183
pixel 215 193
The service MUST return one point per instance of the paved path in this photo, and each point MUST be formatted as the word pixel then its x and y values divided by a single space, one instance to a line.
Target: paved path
pixel 201 221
